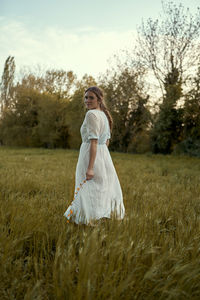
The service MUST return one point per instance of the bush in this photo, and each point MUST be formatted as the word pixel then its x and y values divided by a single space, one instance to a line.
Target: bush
pixel 140 143
pixel 189 146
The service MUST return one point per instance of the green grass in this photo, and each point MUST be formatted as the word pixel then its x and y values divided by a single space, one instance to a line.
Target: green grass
pixel 152 254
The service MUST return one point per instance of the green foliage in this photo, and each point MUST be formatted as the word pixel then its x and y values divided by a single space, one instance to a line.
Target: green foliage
pixel 7 82
pixel 189 146
pixel 167 129
pixel 153 253
pixel 52 128
pixel 129 108
pixel 17 123
pixel 170 42
pixel 169 47
pixel 192 109
pixel 140 143
pixel 76 110
pixel 43 112
pixel 35 120
pixel 59 82
pixel 190 143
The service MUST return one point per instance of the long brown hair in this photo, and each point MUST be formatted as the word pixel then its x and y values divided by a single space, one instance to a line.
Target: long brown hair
pixel 99 93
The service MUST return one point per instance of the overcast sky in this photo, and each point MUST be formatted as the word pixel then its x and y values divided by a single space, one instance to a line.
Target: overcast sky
pixel 72 35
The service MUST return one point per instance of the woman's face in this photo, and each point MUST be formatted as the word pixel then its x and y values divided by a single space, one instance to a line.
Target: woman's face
pixel 91 100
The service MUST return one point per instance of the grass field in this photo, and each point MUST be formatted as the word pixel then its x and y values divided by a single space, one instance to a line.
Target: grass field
pixel 153 253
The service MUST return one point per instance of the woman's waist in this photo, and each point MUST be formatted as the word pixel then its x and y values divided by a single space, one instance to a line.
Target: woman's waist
pixel 99 143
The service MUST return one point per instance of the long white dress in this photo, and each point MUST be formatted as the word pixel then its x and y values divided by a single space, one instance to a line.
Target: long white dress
pixel 100 196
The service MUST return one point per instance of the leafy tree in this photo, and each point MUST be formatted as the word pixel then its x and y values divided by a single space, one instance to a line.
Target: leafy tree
pixel 192 109
pixel 59 82
pixel 140 124
pixel 52 129
pixel 76 109
pixel 170 42
pixel 31 81
pixel 35 120
pixel 128 106
pixel 17 123
pixel 190 143
pixel 168 47
pixel 7 82
pixel 167 129
pixel 52 81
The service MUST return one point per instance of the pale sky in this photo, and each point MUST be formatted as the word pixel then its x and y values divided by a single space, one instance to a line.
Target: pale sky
pixel 72 35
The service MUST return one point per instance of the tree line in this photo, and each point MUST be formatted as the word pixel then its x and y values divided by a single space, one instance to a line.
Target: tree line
pixel 47 109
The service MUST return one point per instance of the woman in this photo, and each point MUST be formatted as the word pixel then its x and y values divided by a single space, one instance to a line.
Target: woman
pixel 98 192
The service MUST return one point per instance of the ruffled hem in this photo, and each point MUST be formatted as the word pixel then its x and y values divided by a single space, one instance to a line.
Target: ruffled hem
pixel 78 218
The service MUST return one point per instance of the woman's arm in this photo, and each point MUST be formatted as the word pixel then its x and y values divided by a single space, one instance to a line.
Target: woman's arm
pixel 93 151
pixel 107 142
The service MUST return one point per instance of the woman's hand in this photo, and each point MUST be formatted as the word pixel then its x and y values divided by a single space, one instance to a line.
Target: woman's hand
pixel 89 174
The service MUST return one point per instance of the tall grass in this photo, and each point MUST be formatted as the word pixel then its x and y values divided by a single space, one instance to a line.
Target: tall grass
pixel 153 253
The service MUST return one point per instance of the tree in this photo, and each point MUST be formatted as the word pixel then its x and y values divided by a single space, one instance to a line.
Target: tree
pixel 18 122
pixel 52 128
pixel 52 81
pixel 35 120
pixel 190 143
pixel 7 81
pixel 169 48
pixel 127 103
pixel 59 82
pixel 76 109
pixel 192 109
pixel 170 42
pixel 168 126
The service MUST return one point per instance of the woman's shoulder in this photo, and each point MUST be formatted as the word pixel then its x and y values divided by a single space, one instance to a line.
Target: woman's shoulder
pixel 94 115
pixel 93 112
pixel 91 115
pixel 90 111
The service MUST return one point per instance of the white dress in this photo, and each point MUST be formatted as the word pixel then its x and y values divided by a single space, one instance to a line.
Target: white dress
pixel 100 196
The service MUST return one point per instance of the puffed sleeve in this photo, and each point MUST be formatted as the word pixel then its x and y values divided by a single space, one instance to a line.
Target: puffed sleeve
pixel 93 125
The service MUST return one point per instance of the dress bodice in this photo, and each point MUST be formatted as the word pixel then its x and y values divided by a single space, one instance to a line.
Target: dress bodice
pixel 95 126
